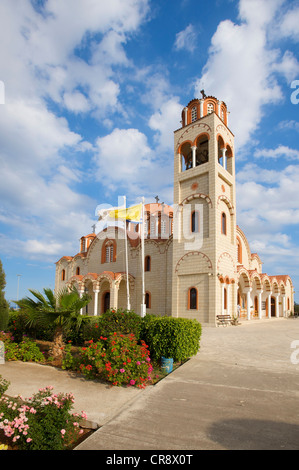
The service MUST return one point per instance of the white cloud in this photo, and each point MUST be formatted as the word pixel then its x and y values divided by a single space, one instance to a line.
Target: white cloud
pixel 76 102
pixel 165 121
pixel 125 162
pixel 247 62
pixel 289 24
pixel 186 39
pixel 282 151
pixel 66 52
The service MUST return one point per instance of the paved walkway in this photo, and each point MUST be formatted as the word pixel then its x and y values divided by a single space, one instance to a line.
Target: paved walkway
pixel 240 392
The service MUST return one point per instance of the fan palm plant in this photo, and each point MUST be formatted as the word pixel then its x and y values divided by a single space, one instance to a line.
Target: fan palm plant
pixel 61 310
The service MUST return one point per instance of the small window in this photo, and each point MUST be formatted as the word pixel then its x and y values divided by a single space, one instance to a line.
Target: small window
pixel 153 227
pixel 223 223
pixel 109 254
pixel 148 300
pixel 194 114
pixel 195 222
pixel 78 271
pixel 210 108
pixel 163 226
pixel 63 275
pixel 192 298
pixel 147 263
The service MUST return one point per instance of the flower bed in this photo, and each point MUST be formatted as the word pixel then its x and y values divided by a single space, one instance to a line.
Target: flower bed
pixel 41 422
pixel 118 359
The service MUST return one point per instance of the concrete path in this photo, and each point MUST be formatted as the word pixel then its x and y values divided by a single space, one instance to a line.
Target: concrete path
pixel 240 392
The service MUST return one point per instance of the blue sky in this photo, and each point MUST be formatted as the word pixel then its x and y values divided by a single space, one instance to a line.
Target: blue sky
pixel 93 93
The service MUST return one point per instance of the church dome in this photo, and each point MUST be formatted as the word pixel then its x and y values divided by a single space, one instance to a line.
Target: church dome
pixel 198 108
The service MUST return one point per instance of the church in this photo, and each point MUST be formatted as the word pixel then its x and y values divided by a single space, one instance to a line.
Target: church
pixel 195 262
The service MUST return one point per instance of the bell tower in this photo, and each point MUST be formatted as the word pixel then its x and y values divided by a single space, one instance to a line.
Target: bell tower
pixel 204 240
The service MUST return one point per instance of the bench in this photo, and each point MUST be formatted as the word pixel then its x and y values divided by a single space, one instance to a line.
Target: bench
pixel 224 319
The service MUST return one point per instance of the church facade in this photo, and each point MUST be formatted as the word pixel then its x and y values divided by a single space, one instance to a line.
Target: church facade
pixel 197 262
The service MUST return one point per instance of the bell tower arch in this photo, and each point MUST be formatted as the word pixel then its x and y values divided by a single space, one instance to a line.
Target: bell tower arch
pixel 204 191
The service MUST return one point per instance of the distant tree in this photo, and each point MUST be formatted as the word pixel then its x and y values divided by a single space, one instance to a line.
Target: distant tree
pixel 61 310
pixel 4 307
pixel 296 307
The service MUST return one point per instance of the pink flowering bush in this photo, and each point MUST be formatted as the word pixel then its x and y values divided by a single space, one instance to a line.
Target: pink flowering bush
pixel 119 359
pixel 42 422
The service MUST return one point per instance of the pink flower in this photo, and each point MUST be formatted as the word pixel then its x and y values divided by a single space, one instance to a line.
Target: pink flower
pixel 132 382
pixel 138 363
pixel 62 432
pixel 28 439
pixel 121 370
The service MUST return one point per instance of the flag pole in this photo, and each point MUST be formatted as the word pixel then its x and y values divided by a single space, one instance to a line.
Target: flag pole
pixel 143 311
pixel 127 264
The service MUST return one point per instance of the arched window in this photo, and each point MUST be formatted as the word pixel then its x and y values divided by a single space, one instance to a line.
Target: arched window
pixel 109 251
pixel 223 223
pixel 194 114
pixel 163 226
pixel 192 299
pixel 210 108
pixel 63 275
pixel 195 222
pixel 77 271
pixel 148 300
pixel 147 263
pixel 153 226
pixel 83 244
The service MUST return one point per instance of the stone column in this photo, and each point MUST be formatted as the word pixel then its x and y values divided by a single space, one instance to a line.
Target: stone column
pixel 283 305
pixel 114 296
pixel 277 305
pixel 193 156
pixel 201 108
pixel 224 158
pixel 260 304
pixel 81 292
pixel 228 299
pixel 96 297
pixel 248 305
pixel 186 116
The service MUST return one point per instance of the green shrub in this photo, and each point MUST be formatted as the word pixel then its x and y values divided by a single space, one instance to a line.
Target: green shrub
pixel 43 422
pixel 90 330
pixel 25 351
pixel 176 338
pixel 121 321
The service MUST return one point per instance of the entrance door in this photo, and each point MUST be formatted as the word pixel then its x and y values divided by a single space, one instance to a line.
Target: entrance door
pixel 273 307
pixel 106 301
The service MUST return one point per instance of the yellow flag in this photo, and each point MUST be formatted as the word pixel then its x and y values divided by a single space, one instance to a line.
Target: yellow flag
pixel 132 214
